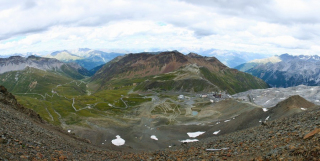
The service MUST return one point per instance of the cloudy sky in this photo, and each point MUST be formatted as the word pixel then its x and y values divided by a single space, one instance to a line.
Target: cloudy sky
pixel 257 26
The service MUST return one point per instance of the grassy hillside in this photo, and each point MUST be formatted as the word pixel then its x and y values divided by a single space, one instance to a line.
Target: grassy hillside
pixel 233 81
pixel 60 99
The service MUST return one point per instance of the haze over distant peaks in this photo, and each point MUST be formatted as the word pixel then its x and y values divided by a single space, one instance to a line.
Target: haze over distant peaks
pixel 88 58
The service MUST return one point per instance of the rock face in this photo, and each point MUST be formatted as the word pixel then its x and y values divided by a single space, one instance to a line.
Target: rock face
pixel 210 69
pixel 285 70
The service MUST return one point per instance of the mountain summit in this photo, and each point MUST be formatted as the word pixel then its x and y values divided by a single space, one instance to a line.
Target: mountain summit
pixel 172 70
pixel 295 101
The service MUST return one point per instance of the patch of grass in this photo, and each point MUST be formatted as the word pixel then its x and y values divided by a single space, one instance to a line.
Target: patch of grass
pixel 134 101
pixel 73 119
pixel 164 77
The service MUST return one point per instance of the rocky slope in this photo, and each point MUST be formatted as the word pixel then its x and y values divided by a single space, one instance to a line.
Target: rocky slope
pixel 290 138
pixel 209 70
pixel 285 70
pixel 271 96
pixel 24 136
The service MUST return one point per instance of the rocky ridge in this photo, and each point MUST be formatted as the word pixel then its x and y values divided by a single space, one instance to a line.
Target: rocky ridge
pixel 15 63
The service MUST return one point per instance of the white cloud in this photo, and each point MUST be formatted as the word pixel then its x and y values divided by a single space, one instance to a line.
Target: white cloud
pixel 269 27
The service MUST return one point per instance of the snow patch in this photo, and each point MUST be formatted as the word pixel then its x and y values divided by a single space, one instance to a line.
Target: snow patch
pixel 226 120
pixel 264 109
pixel 154 137
pixel 218 123
pixel 217 149
pixel 267 118
pixel 189 140
pixel 303 109
pixel 118 141
pixel 216 132
pixel 69 131
pixel 195 134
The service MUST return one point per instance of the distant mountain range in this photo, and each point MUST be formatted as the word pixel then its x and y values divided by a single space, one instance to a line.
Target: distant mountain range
pixel 85 57
pixel 285 70
pixel 39 75
pixel 18 63
pixel 174 71
pixel 91 58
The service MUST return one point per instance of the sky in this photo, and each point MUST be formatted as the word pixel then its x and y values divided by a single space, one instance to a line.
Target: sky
pixel 270 27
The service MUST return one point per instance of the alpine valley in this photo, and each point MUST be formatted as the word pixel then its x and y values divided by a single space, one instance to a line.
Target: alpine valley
pixel 155 106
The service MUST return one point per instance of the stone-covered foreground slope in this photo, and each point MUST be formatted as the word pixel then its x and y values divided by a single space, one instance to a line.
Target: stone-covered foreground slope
pixel 173 71
pixel 24 136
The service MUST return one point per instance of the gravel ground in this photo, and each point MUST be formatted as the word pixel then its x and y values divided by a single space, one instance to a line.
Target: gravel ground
pixel 24 136
pixel 271 96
